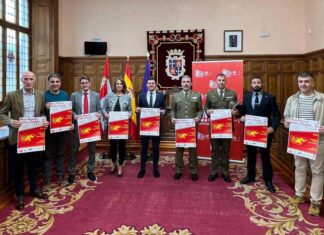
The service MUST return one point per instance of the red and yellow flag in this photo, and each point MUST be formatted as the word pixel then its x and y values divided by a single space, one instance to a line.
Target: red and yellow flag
pixel 130 88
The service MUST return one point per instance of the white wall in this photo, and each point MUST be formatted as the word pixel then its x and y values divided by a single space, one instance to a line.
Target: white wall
pixel 314 25
pixel 123 24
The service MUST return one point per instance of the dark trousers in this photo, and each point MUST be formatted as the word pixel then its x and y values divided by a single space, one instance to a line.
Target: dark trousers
pixel 121 145
pixel 18 162
pixel 220 156
pixel 55 149
pixel 265 157
pixel 156 151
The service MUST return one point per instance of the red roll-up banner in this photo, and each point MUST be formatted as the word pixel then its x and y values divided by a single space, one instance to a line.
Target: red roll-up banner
pixel 203 80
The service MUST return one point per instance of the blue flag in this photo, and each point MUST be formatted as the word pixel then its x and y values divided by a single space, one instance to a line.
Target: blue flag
pixel 146 76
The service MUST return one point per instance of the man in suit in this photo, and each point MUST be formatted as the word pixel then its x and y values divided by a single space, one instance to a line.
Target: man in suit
pixel 83 101
pixel 186 104
pixel 220 98
pixel 150 99
pixel 260 103
pixel 26 102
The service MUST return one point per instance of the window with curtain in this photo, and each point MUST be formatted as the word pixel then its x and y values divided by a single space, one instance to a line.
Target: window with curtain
pixel 15 35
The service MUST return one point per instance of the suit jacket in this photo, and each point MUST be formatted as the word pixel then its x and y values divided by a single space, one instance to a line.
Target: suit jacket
pixel 186 108
pixel 267 108
pixel 159 101
pixel 76 99
pixel 14 104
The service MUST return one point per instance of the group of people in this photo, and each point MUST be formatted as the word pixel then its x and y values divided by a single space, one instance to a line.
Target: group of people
pixel 186 104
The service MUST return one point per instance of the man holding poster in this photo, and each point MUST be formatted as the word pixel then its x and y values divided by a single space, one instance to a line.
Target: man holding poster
pixel 260 103
pixel 308 104
pixel 28 103
pixel 55 142
pixel 223 100
pixel 83 102
pixel 186 104
pixel 152 100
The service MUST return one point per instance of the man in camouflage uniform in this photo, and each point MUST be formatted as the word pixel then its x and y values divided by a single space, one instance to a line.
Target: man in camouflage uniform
pixel 186 105
pixel 220 98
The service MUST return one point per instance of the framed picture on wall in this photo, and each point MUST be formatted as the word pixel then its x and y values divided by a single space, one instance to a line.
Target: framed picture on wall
pixel 233 40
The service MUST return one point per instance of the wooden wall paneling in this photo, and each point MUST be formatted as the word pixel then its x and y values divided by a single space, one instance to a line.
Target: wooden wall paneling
pixel 257 67
pixel 44 35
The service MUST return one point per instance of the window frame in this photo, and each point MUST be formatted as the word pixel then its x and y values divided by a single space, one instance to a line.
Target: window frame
pixel 17 28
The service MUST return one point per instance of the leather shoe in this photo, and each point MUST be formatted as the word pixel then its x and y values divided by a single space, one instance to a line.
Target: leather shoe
pixel 39 194
pixel 91 176
pixel 194 177
pixel 270 186
pixel 120 171
pixel 140 174
pixel 20 203
pixel 156 174
pixel 226 178
pixel 177 176
pixel 113 169
pixel 247 180
pixel 212 177
pixel 71 179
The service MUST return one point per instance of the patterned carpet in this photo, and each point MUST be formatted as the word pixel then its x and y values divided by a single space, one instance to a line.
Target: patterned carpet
pixel 129 206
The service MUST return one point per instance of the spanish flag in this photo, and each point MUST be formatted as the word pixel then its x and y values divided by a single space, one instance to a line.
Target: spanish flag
pixel 130 88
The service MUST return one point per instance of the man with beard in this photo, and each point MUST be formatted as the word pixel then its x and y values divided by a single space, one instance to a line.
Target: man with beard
pixel 260 103
pixel 186 104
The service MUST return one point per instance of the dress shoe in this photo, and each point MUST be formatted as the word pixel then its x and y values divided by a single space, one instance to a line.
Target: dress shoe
pixel 226 178
pixel 120 171
pixel 177 176
pixel 47 187
pixel 156 174
pixel 140 174
pixel 61 181
pixel 113 168
pixel 247 180
pixel 194 177
pixel 71 179
pixel 39 194
pixel 212 177
pixel 20 203
pixel 91 176
pixel 270 186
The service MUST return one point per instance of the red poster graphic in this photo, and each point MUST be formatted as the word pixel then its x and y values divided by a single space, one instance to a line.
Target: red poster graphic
pixel 221 128
pixel 31 140
pixel 89 131
pixel 61 119
pixel 150 124
pixel 186 137
pixel 119 127
pixel 256 136
pixel 204 79
pixel 303 141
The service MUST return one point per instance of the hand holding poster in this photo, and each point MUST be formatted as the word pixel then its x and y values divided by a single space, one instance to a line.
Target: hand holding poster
pixel 221 124
pixel 255 131
pixel 31 135
pixel 303 138
pixel 89 128
pixel 150 122
pixel 60 116
pixel 185 133
pixel 118 125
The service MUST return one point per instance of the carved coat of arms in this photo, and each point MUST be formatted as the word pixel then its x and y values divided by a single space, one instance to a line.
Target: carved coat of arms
pixel 175 64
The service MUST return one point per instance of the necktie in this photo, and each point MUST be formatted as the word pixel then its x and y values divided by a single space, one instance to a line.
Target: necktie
pixel 151 100
pixel 256 103
pixel 85 103
pixel 186 94
pixel 221 93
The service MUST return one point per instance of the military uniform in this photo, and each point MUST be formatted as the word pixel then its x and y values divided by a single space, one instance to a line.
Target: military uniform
pixel 186 107
pixel 220 147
